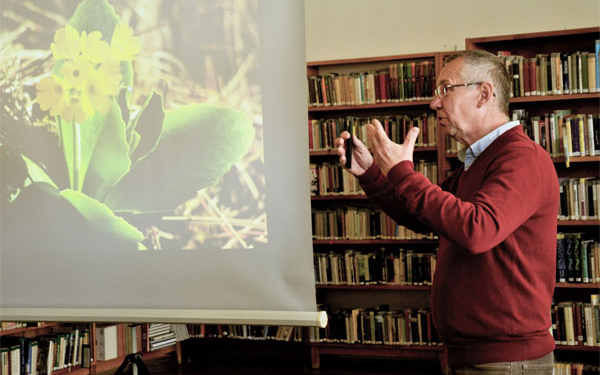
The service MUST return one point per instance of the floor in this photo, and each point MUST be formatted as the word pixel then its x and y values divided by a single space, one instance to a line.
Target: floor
pixel 276 364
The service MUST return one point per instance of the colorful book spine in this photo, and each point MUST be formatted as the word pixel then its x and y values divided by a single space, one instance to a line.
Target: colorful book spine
pixel 597 50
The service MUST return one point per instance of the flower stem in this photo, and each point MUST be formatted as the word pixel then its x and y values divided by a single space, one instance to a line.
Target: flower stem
pixel 76 156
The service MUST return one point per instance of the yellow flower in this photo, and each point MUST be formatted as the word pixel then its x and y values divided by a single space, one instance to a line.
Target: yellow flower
pixel 76 71
pixel 94 49
pixel 52 94
pixel 97 93
pixel 67 43
pixel 123 45
pixel 74 110
pixel 111 69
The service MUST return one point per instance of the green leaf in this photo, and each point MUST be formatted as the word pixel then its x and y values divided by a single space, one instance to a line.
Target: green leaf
pixel 123 103
pixel 101 217
pixel 198 144
pixel 148 124
pixel 105 152
pixel 92 15
pixel 42 219
pixel 36 173
pixel 103 149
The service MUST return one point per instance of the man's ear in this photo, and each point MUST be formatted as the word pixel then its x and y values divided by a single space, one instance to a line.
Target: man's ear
pixel 486 92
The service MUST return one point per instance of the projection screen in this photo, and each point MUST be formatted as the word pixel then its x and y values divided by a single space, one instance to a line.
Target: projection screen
pixel 155 162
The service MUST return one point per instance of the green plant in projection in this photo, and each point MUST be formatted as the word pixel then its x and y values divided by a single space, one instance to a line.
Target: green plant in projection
pixel 117 164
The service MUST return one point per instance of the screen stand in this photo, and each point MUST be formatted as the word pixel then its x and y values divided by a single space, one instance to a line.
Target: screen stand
pixel 135 359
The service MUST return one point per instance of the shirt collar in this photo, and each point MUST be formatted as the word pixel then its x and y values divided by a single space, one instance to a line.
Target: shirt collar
pixel 470 154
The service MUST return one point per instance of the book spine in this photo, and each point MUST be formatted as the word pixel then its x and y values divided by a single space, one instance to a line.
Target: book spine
pixel 597 52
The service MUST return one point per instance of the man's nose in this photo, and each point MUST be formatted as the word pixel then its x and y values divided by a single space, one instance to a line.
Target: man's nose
pixel 436 103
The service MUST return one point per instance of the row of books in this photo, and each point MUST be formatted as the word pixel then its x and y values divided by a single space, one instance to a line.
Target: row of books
pixel 578 134
pixel 323 132
pixel 354 223
pixel 577 259
pixel 579 198
pixel 67 347
pixel 392 267
pixel 556 73
pixel 119 340
pixel 158 336
pixel 398 82
pixel 576 323
pixel 378 326
pixel 7 326
pixel 333 179
pixel 247 332
pixel 575 368
pixel 563 133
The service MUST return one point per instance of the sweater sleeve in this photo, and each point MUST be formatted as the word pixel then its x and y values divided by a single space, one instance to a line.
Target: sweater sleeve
pixel 509 192
pixel 381 192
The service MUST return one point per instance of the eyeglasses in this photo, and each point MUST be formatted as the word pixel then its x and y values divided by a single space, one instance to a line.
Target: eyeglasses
pixel 442 90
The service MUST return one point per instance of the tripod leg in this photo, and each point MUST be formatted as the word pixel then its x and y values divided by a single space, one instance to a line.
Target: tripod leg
pixel 142 369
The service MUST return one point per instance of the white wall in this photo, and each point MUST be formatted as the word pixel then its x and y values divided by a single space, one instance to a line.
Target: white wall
pixel 340 29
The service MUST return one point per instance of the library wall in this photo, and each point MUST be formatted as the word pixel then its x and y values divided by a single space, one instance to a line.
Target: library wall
pixel 358 28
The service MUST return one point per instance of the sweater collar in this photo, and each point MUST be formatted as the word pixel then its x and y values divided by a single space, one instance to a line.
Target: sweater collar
pixel 468 155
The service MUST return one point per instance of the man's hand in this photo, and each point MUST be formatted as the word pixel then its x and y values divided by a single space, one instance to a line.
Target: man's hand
pixel 361 157
pixel 387 153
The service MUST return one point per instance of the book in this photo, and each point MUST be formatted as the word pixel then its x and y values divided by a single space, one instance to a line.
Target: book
pixel 106 342
pixel 561 262
pixel 564 60
pixel 583 66
pixel 597 52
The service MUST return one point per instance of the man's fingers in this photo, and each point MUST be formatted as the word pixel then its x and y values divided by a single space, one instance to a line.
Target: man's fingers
pixel 411 137
pixel 339 142
pixel 379 131
pixel 376 134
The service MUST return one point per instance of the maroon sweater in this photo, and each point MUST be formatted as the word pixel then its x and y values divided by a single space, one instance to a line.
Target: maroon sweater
pixel 494 280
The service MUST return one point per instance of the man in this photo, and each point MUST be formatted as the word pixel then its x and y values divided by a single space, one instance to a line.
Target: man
pixel 496 217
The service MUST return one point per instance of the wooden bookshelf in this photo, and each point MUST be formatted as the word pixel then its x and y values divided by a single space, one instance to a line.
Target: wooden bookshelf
pixel 96 366
pixel 410 107
pixel 357 108
pixel 593 286
pixel 374 242
pixel 112 364
pixel 30 331
pixel 419 352
pixel 363 288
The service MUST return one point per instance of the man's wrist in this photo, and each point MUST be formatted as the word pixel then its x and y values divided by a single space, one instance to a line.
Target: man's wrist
pixel 400 170
pixel 370 175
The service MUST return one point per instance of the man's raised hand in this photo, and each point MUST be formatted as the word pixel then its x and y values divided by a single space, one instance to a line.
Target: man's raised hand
pixel 361 157
pixel 387 153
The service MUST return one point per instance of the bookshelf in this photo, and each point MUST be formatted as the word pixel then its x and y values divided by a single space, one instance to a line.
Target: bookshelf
pixel 572 44
pixel 331 110
pixel 39 331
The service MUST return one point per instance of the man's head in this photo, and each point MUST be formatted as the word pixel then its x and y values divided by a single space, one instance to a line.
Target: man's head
pixel 472 95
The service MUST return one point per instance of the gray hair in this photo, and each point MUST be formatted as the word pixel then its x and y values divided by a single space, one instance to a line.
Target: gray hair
pixel 482 66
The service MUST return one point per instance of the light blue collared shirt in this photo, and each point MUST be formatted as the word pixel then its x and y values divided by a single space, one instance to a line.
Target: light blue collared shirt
pixel 468 155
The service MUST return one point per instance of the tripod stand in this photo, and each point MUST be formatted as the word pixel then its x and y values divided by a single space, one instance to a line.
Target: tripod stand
pixel 135 359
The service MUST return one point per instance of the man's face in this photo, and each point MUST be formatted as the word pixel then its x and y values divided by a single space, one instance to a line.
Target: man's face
pixel 455 109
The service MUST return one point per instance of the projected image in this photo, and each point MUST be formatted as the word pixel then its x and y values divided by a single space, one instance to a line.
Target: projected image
pixel 131 125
